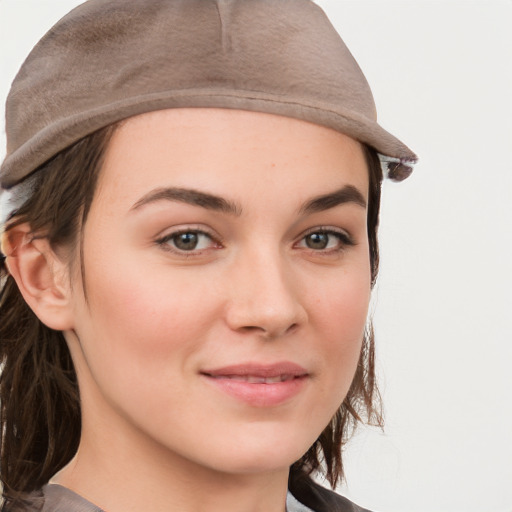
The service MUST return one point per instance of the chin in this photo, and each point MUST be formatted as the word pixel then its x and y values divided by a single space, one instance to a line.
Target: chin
pixel 252 455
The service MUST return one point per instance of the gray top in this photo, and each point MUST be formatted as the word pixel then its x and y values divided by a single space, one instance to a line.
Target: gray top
pixel 56 498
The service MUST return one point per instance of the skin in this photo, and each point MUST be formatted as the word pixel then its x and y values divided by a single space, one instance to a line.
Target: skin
pixel 158 433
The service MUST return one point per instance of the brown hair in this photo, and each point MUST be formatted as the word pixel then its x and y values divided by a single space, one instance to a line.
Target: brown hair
pixel 40 406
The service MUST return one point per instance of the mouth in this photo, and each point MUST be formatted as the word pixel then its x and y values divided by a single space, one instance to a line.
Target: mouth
pixel 256 373
pixel 255 379
pixel 259 385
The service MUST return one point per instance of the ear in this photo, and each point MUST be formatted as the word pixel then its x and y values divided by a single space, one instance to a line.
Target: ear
pixel 42 277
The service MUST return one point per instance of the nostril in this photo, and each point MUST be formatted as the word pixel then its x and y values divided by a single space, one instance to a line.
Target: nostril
pixel 269 333
pixel 251 328
pixel 292 328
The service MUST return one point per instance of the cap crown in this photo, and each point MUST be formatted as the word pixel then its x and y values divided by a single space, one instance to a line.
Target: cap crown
pixel 111 59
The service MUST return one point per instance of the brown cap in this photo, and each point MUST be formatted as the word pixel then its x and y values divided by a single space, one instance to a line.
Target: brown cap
pixel 111 59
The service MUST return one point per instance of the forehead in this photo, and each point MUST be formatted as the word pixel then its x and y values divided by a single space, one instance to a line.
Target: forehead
pixel 228 152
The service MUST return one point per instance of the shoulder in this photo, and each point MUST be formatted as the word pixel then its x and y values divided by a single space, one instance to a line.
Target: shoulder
pixel 318 499
pixel 51 498
pixel 305 496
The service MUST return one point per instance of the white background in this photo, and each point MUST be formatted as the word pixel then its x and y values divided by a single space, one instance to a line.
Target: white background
pixel 441 73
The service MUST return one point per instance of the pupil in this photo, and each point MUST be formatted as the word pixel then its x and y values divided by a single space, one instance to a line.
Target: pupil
pixel 317 240
pixel 186 241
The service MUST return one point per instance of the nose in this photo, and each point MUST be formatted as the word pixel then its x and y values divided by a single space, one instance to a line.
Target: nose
pixel 264 297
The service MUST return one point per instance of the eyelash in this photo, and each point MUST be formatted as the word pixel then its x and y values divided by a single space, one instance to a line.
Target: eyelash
pixel 164 241
pixel 344 241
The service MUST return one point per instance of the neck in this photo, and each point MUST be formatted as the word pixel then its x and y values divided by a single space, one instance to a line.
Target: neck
pixel 117 472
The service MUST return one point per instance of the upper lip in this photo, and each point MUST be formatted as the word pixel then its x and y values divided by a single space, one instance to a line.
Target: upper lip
pixel 258 370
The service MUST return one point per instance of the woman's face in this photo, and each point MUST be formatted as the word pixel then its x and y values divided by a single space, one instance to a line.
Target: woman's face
pixel 227 281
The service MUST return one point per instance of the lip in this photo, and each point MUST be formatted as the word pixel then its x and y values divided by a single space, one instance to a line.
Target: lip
pixel 259 385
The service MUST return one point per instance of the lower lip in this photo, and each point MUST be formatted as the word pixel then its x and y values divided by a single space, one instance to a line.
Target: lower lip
pixel 259 394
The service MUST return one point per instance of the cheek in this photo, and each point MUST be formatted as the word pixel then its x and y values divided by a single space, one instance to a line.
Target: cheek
pixel 341 304
pixel 143 310
pixel 140 336
pixel 339 315
pixel 141 322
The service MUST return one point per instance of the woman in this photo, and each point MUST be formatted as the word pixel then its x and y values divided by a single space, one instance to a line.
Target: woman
pixel 188 264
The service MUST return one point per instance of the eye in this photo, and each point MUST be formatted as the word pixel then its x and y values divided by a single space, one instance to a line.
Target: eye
pixel 187 241
pixel 325 240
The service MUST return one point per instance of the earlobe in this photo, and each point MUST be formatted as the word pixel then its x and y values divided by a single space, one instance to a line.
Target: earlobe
pixel 41 276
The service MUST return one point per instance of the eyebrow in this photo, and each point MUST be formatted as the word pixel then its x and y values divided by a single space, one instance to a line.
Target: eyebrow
pixel 189 196
pixel 346 194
